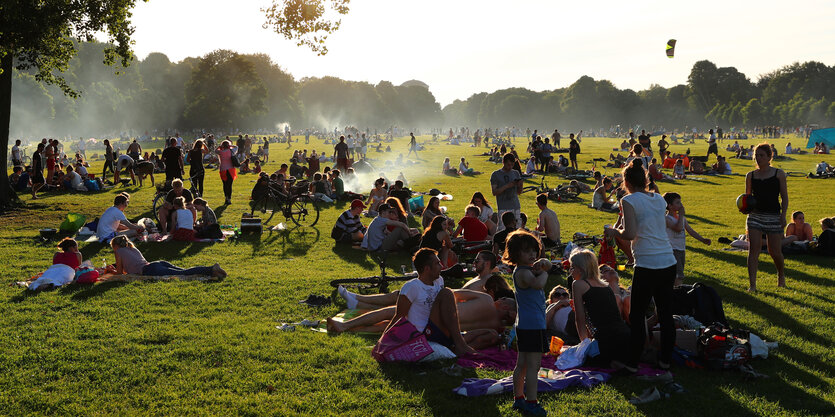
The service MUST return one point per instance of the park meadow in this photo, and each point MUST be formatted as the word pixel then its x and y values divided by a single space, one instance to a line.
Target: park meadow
pixel 194 348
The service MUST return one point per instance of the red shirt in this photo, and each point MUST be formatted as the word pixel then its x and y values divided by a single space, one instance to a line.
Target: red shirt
pixel 67 258
pixel 474 229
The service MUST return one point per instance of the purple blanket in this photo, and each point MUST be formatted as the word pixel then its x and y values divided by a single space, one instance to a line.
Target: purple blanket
pixel 502 360
pixel 474 387
pixel 505 360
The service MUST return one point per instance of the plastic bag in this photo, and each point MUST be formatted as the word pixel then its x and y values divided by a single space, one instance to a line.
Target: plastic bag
pixel 72 223
pixel 401 343
pixel 575 356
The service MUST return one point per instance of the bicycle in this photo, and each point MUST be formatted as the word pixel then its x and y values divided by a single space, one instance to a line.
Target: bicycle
pixel 25 158
pixel 298 206
pixel 380 283
pixel 564 192
pixel 162 192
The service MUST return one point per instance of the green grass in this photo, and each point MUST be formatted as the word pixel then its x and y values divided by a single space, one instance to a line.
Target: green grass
pixel 189 348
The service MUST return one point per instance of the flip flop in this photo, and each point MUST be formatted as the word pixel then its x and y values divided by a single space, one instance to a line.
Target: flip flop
pixel 649 395
pixel 674 388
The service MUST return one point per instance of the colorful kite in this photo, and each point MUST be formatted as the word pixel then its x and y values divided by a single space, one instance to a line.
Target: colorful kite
pixel 671 48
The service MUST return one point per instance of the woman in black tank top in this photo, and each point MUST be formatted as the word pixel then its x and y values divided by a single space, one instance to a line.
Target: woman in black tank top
pixel 768 186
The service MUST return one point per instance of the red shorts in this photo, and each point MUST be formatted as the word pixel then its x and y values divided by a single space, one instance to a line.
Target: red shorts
pixel 185 235
pixel 50 163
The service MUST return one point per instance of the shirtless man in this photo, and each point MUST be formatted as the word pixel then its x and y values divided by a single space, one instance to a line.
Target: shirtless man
pixel 484 263
pixel 464 320
pixel 547 222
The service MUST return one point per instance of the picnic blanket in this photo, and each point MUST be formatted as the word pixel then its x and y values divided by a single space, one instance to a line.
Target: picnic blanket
pixel 38 281
pixel 476 387
pixel 505 360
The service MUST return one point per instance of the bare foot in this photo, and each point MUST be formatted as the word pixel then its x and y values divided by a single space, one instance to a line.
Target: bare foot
pixel 752 289
pixel 334 326
pixel 464 349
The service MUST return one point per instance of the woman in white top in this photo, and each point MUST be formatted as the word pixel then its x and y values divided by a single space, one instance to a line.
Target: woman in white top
pixel 182 221
pixel 486 215
pixel 644 223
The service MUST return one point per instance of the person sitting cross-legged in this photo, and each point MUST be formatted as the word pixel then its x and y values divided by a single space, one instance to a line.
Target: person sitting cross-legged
pixel 378 237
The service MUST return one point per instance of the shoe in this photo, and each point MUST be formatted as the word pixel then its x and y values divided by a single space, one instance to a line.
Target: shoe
pixel 286 327
pixel 519 404
pixel 534 409
pixel 724 240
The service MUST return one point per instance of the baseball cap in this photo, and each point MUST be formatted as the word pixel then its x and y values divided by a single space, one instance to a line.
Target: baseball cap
pixel 357 203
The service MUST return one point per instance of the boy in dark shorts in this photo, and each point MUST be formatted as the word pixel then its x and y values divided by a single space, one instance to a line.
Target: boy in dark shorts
pixel 529 278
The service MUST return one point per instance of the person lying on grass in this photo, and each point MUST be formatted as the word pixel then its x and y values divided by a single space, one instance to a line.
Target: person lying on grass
pixel 463 320
pixel 129 260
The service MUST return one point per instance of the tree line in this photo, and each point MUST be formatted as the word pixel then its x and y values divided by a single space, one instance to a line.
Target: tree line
pixel 230 91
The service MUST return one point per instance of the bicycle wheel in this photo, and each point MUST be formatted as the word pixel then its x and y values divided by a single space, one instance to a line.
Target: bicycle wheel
pixel 159 200
pixel 265 207
pixel 364 285
pixel 303 211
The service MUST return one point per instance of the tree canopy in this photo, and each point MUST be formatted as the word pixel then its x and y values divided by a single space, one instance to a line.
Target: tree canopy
pixel 41 37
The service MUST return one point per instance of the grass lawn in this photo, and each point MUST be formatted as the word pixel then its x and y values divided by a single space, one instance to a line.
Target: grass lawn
pixel 190 348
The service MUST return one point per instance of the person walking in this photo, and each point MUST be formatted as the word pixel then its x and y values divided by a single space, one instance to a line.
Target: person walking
pixel 226 169
pixel 412 146
pixel 644 223
pixel 195 163
pixel 768 186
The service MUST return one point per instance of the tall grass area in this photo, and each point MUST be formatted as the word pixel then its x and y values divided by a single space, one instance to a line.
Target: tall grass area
pixel 190 348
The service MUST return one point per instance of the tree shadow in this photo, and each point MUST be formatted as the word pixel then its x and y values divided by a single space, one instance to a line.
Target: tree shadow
pixel 428 381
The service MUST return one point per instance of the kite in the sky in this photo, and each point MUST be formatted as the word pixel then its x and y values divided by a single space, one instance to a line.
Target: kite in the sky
pixel 671 48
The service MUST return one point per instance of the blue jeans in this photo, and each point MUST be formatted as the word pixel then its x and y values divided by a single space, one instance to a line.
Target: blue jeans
pixel 160 268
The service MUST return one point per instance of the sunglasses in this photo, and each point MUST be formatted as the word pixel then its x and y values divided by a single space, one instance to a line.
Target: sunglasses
pixel 561 294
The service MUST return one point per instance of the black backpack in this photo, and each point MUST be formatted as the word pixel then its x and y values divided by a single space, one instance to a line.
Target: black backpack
pixel 723 348
pixel 700 301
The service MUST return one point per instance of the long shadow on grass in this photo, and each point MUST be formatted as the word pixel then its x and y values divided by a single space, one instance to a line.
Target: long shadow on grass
pixel 296 241
pixel 767 266
pixel 704 220
pixel 784 320
pixel 85 292
pixel 435 387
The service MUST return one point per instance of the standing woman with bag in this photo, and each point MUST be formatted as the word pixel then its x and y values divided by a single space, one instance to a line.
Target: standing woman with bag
pixel 227 169
pixel 767 184
pixel 196 170
pixel 644 223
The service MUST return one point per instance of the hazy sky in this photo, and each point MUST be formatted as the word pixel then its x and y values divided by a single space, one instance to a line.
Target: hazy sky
pixel 464 47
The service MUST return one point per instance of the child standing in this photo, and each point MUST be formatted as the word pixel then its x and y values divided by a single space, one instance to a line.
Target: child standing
pixel 676 226
pixel 529 277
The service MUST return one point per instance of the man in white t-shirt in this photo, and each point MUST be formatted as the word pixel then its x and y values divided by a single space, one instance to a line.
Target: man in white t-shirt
pixel 113 222
pixel 432 309
pixel 16 158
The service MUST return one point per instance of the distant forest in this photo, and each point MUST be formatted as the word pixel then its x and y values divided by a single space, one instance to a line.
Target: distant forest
pixel 224 90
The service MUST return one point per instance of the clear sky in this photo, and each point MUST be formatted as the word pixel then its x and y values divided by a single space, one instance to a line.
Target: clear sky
pixel 462 47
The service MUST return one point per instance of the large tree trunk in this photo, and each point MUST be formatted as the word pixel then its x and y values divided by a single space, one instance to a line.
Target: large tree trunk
pixel 7 195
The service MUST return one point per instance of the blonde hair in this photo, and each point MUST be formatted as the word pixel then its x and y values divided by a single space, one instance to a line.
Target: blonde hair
pixel 586 261
pixel 177 183
pixel 121 241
